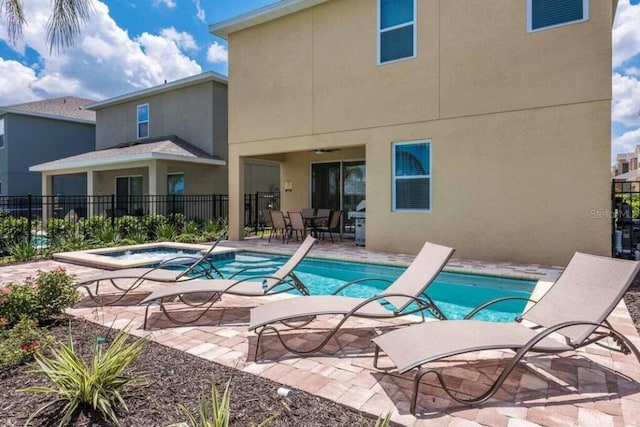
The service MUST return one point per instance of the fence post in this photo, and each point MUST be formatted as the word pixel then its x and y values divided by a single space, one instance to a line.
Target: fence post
pixel 30 213
pixel 113 211
pixel 213 202
pixel 256 214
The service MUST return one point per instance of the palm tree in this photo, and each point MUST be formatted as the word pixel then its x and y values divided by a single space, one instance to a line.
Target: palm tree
pixel 63 27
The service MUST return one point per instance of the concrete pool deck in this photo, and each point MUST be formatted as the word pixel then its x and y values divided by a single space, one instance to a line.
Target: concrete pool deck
pixel 591 387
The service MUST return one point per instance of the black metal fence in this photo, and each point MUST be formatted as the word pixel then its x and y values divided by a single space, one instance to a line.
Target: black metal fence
pixel 625 218
pixel 25 217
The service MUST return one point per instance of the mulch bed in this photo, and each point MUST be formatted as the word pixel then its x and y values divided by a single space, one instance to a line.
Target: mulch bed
pixel 173 377
pixel 632 299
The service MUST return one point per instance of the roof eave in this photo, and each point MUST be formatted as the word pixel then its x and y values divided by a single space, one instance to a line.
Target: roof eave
pixel 5 110
pixel 79 164
pixel 259 16
pixel 187 81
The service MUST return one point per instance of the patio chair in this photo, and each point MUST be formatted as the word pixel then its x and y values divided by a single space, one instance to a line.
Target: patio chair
pixel 308 212
pixel 283 280
pixel 279 225
pixel 297 224
pixel 333 225
pixel 576 308
pixel 193 267
pixel 409 288
pixel 322 216
pixel 266 222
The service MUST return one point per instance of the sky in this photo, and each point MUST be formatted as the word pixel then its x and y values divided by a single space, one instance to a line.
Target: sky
pixel 129 45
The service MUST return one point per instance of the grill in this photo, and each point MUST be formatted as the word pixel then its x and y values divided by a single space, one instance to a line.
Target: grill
pixel 359 216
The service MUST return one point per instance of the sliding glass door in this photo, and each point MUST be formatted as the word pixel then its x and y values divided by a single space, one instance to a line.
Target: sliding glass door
pixel 338 186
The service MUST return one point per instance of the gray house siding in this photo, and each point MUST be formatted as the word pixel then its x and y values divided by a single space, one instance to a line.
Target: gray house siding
pixel 33 140
pixel 187 113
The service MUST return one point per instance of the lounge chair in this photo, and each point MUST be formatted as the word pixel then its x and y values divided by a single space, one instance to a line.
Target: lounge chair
pixel 283 280
pixel 576 307
pixel 409 288
pixel 193 267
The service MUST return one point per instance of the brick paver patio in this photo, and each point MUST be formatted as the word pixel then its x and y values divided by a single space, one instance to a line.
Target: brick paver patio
pixel 593 387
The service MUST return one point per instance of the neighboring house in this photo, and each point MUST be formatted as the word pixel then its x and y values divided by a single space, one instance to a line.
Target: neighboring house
pixel 169 139
pixel 42 131
pixel 626 166
pixel 483 125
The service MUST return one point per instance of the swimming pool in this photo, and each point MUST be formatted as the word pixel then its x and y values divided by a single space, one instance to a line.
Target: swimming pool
pixel 456 294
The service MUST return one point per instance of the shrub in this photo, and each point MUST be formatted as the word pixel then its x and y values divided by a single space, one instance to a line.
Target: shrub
pixel 138 236
pixel 71 240
pixel 23 250
pixel 150 224
pixel 191 227
pixel 79 385
pixel 91 224
pixel 107 236
pixel 177 220
pixel 187 238
pixel 49 294
pixel 128 224
pixel 57 227
pixel 13 230
pixel 166 232
pixel 18 344
pixel 219 413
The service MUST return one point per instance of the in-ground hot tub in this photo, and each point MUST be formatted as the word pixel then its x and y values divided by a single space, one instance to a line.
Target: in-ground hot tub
pixel 139 255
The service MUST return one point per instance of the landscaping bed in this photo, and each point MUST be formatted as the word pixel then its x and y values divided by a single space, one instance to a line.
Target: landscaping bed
pixel 632 299
pixel 172 377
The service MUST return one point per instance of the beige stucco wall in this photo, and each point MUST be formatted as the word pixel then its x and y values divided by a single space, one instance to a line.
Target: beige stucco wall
pixel 519 122
pixel 197 114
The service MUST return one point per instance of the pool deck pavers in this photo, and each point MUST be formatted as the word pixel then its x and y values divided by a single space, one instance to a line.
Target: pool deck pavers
pixel 591 387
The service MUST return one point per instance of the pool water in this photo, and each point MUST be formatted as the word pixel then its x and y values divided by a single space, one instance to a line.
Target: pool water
pixel 455 294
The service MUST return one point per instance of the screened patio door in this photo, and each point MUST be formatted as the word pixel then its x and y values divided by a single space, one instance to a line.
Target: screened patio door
pixel 128 195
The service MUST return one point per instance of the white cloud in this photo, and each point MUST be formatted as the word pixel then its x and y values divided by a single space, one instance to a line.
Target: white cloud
pixel 626 100
pixel 168 3
pixel 200 14
pixel 16 83
pixel 626 142
pixel 626 32
pixel 632 71
pixel 217 53
pixel 105 61
pixel 182 39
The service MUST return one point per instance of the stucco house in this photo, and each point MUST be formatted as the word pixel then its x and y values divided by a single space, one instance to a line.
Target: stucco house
pixel 41 131
pixel 483 125
pixel 169 139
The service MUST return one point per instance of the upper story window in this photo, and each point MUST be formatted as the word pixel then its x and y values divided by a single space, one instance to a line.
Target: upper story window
pixel 543 14
pixel 396 30
pixel 143 121
pixel 1 133
pixel 411 187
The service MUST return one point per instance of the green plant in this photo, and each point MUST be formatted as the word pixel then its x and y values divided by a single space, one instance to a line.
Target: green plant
pixel 138 236
pixel 218 414
pixel 383 421
pixel 128 224
pixel 71 240
pixel 107 236
pixel 56 291
pixel 79 385
pixel 49 294
pixel 191 227
pixel 57 227
pixel 18 344
pixel 23 250
pixel 177 220
pixel 166 232
pixel 150 224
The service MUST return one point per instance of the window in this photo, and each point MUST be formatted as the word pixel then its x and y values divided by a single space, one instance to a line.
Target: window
pixel 396 30
pixel 543 14
pixel 1 133
pixel 143 121
pixel 411 186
